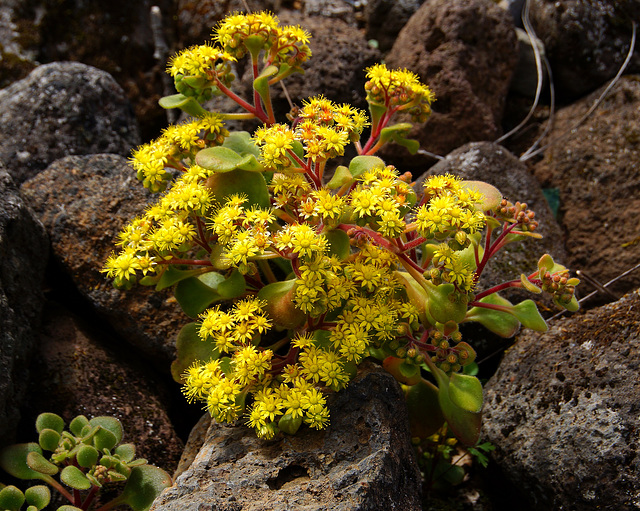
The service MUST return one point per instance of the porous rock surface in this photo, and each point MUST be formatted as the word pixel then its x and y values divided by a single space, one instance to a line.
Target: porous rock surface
pixel 562 411
pixel 24 250
pixel 84 202
pixel 362 461
pixel 586 41
pixel 596 169
pixel 61 109
pixel 466 52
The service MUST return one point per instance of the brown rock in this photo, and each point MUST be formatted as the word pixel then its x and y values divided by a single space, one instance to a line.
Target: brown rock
pixel 596 169
pixel 562 411
pixel 84 202
pixel 466 52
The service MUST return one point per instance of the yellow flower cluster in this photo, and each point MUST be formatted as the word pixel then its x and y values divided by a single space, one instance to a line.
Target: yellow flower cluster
pixel 324 131
pixel 399 89
pixel 242 33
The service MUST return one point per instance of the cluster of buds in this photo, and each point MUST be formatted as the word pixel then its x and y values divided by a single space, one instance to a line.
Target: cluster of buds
pixel 518 213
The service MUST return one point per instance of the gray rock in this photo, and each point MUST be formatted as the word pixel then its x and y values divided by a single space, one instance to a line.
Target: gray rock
pixel 78 370
pixel 586 41
pixel 60 109
pixel 466 52
pixel 84 202
pixel 562 411
pixel 485 161
pixel 596 169
pixel 363 461
pixel 24 251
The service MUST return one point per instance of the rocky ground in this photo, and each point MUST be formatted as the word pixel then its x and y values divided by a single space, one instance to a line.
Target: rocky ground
pixel 80 85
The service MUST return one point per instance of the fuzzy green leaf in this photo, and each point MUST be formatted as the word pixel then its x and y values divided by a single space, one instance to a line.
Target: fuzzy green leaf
pixel 49 439
pixel 239 182
pixel 36 461
pixel 11 498
pixel 143 486
pixel 406 373
pixel 443 304
pixel 194 296
pixel 341 177
pixel 289 425
pixel 73 477
pixel 127 452
pixel 77 424
pixel 173 275
pixel 339 243
pixel 280 306
pixel 492 196
pixel 233 286
pixel 49 421
pixel 528 314
pixel 242 143
pixel 38 496
pixel 68 507
pixel 87 456
pixel 396 133
pixel 111 424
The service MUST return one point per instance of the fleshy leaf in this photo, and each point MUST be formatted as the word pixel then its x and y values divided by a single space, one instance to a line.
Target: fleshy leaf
pixel 492 196
pixel 49 421
pixel 73 477
pixel 77 424
pixel 425 415
pixel 443 305
pixel 87 456
pixel 48 439
pixel 465 392
pixel 396 133
pixel 143 486
pixel 289 425
pixel 111 424
pixel 68 507
pixel 341 177
pixel 194 296
pixel 528 285
pixel 500 323
pixel 190 348
pixel 37 462
pixel 233 286
pixel 280 307
pixel 242 143
pixel 104 439
pixel 173 275
pixel 365 163
pixel 239 182
pixel 184 103
pixel 38 496
pixel 406 373
pixel 11 498
pixel 528 314
pixel 339 243
pixel 220 159
pixel 126 452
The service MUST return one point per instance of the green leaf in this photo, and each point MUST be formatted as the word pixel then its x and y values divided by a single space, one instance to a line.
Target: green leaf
pixel 341 177
pixel 143 486
pixel 492 196
pixel 194 296
pixel 396 133
pixel 127 452
pixel 104 439
pixel 87 456
pixel 37 462
pixel 365 163
pixel 239 182
pixel 465 392
pixel 425 415
pixel 261 84
pixel 406 373
pixel 49 421
pixel 49 439
pixel 73 477
pixel 173 275
pixel 68 507
pixel 219 159
pixel 38 496
pixel 443 303
pixel 11 498
pixel 528 314
pixel 184 103
pixel 111 424
pixel 289 425
pixel 500 323
pixel 232 287
pixel 464 424
pixel 77 424
pixel 528 285
pixel 189 349
pixel 280 306
pixel 339 243
pixel 242 143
